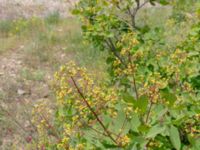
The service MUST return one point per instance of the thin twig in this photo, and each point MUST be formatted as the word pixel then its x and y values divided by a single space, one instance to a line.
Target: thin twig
pixel 97 131
pixel 139 7
pixel 135 10
pixel 16 122
pixel 134 80
pixel 93 112
pixel 56 133
pixel 149 112
pixel 113 49
pixel 135 87
pixel 123 126
pixel 26 111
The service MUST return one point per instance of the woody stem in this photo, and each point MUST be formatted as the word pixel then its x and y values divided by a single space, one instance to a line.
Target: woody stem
pixel 93 112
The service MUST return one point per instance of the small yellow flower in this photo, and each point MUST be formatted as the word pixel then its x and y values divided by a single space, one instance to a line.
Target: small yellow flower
pixel 124 51
pixel 135 41
pixel 125 140
pixel 80 147
pixel 65 140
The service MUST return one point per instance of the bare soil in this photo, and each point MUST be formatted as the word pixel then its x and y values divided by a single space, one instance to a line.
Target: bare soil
pixel 12 9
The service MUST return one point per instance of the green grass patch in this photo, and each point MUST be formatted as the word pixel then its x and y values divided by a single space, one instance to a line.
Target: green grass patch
pixel 34 75
pixel 49 43
pixel 53 18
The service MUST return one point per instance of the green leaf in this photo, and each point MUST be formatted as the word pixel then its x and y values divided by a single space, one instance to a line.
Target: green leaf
pixel 118 122
pixel 163 2
pixel 143 128
pixel 175 137
pixel 152 2
pixel 191 139
pixel 135 123
pixel 75 12
pixel 196 82
pixel 109 60
pixel 106 144
pixel 195 142
pixel 142 103
pixel 169 97
pixel 128 98
pixel 155 130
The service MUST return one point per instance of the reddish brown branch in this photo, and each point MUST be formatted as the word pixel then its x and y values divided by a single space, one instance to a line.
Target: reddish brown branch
pixel 93 112
pixel 17 122
pixel 123 126
pixel 55 134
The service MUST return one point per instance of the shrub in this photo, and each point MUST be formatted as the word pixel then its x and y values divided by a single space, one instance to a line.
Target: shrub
pixel 5 27
pixel 152 99
pixel 53 18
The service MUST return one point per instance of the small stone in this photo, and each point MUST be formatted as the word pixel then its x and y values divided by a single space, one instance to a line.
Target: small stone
pixel 21 92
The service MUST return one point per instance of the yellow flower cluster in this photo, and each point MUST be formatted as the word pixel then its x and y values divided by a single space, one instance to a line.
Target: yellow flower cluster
pixel 125 71
pixel 153 84
pixel 76 90
pixel 63 144
pixel 153 144
pixel 129 111
pixel 179 56
pixel 80 146
pixel 128 55
pixel 127 42
pixel 41 118
pixel 192 127
pixel 124 140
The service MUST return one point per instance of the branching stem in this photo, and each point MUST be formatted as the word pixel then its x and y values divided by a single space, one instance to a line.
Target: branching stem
pixel 135 11
pixel 93 112
pixel 149 112
pixel 134 80
pixel 16 122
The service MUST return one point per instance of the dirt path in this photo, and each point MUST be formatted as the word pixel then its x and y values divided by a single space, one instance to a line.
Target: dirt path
pixel 10 64
pixel 18 96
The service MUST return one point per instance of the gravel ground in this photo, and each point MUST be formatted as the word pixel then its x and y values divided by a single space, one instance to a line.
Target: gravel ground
pixel 11 9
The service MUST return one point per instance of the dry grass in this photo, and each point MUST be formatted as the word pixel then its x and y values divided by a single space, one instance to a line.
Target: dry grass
pixel 31 52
